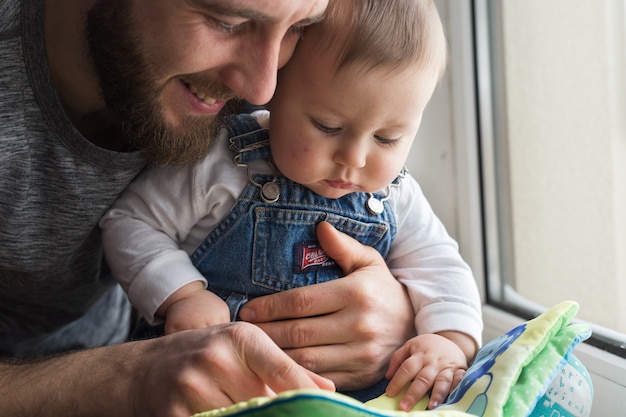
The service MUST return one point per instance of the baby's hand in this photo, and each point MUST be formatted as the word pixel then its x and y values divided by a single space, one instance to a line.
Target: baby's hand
pixel 193 307
pixel 425 361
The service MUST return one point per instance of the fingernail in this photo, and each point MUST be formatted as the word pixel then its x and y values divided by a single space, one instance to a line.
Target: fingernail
pixel 246 314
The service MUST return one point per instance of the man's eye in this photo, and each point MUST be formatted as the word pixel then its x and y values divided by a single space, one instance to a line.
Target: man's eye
pixel 224 26
pixel 297 30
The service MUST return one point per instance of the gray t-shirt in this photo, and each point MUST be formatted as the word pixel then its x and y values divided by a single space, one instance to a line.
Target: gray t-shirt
pixel 54 187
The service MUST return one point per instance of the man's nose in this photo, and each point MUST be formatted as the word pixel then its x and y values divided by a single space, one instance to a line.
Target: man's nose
pixel 254 79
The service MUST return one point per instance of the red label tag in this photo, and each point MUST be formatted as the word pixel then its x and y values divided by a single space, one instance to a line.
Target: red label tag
pixel 312 256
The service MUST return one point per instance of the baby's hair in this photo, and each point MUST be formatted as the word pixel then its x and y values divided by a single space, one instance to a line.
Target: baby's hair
pixel 394 34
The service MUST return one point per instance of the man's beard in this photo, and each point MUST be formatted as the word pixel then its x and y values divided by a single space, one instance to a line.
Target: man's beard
pixel 132 96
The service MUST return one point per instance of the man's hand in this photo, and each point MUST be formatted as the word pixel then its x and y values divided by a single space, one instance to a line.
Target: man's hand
pixel 346 329
pixel 171 376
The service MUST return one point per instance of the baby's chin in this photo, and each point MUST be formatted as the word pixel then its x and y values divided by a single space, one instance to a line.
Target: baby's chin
pixel 327 191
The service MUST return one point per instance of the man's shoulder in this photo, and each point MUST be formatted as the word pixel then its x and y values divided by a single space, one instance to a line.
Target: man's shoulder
pixel 9 18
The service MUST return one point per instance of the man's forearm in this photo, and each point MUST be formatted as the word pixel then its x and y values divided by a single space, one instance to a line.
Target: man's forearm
pixel 93 382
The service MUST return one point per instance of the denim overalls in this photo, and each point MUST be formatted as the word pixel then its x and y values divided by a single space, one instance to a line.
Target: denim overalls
pixel 265 247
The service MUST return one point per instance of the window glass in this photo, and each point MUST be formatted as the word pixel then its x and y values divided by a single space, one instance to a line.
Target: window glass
pixel 552 92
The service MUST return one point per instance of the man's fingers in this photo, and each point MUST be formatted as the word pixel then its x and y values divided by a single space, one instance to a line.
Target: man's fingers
pixel 310 301
pixel 323 382
pixel 326 358
pixel 276 369
pixel 298 333
pixel 349 253
pixel 317 299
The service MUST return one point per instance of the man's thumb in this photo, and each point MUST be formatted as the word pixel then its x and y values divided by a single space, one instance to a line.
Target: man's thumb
pixel 343 249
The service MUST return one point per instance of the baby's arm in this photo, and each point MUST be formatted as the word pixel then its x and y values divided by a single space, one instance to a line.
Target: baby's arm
pixel 146 233
pixel 193 307
pixel 429 361
pixel 445 298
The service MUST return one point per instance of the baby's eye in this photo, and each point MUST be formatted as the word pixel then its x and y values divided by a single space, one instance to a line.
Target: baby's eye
pixel 324 129
pixel 385 141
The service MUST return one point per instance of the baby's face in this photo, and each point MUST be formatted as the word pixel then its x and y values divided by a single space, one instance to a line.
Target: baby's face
pixel 349 131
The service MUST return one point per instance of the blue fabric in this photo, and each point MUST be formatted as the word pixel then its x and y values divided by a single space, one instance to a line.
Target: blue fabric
pixel 368 393
pixel 261 248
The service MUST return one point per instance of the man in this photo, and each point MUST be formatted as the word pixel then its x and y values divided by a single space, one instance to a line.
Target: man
pixel 90 91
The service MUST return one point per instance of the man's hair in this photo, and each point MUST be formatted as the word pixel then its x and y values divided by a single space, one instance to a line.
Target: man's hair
pixel 394 34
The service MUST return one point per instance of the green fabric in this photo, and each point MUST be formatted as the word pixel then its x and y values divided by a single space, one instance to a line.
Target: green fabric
pixel 511 372
pixel 540 372
pixel 508 377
